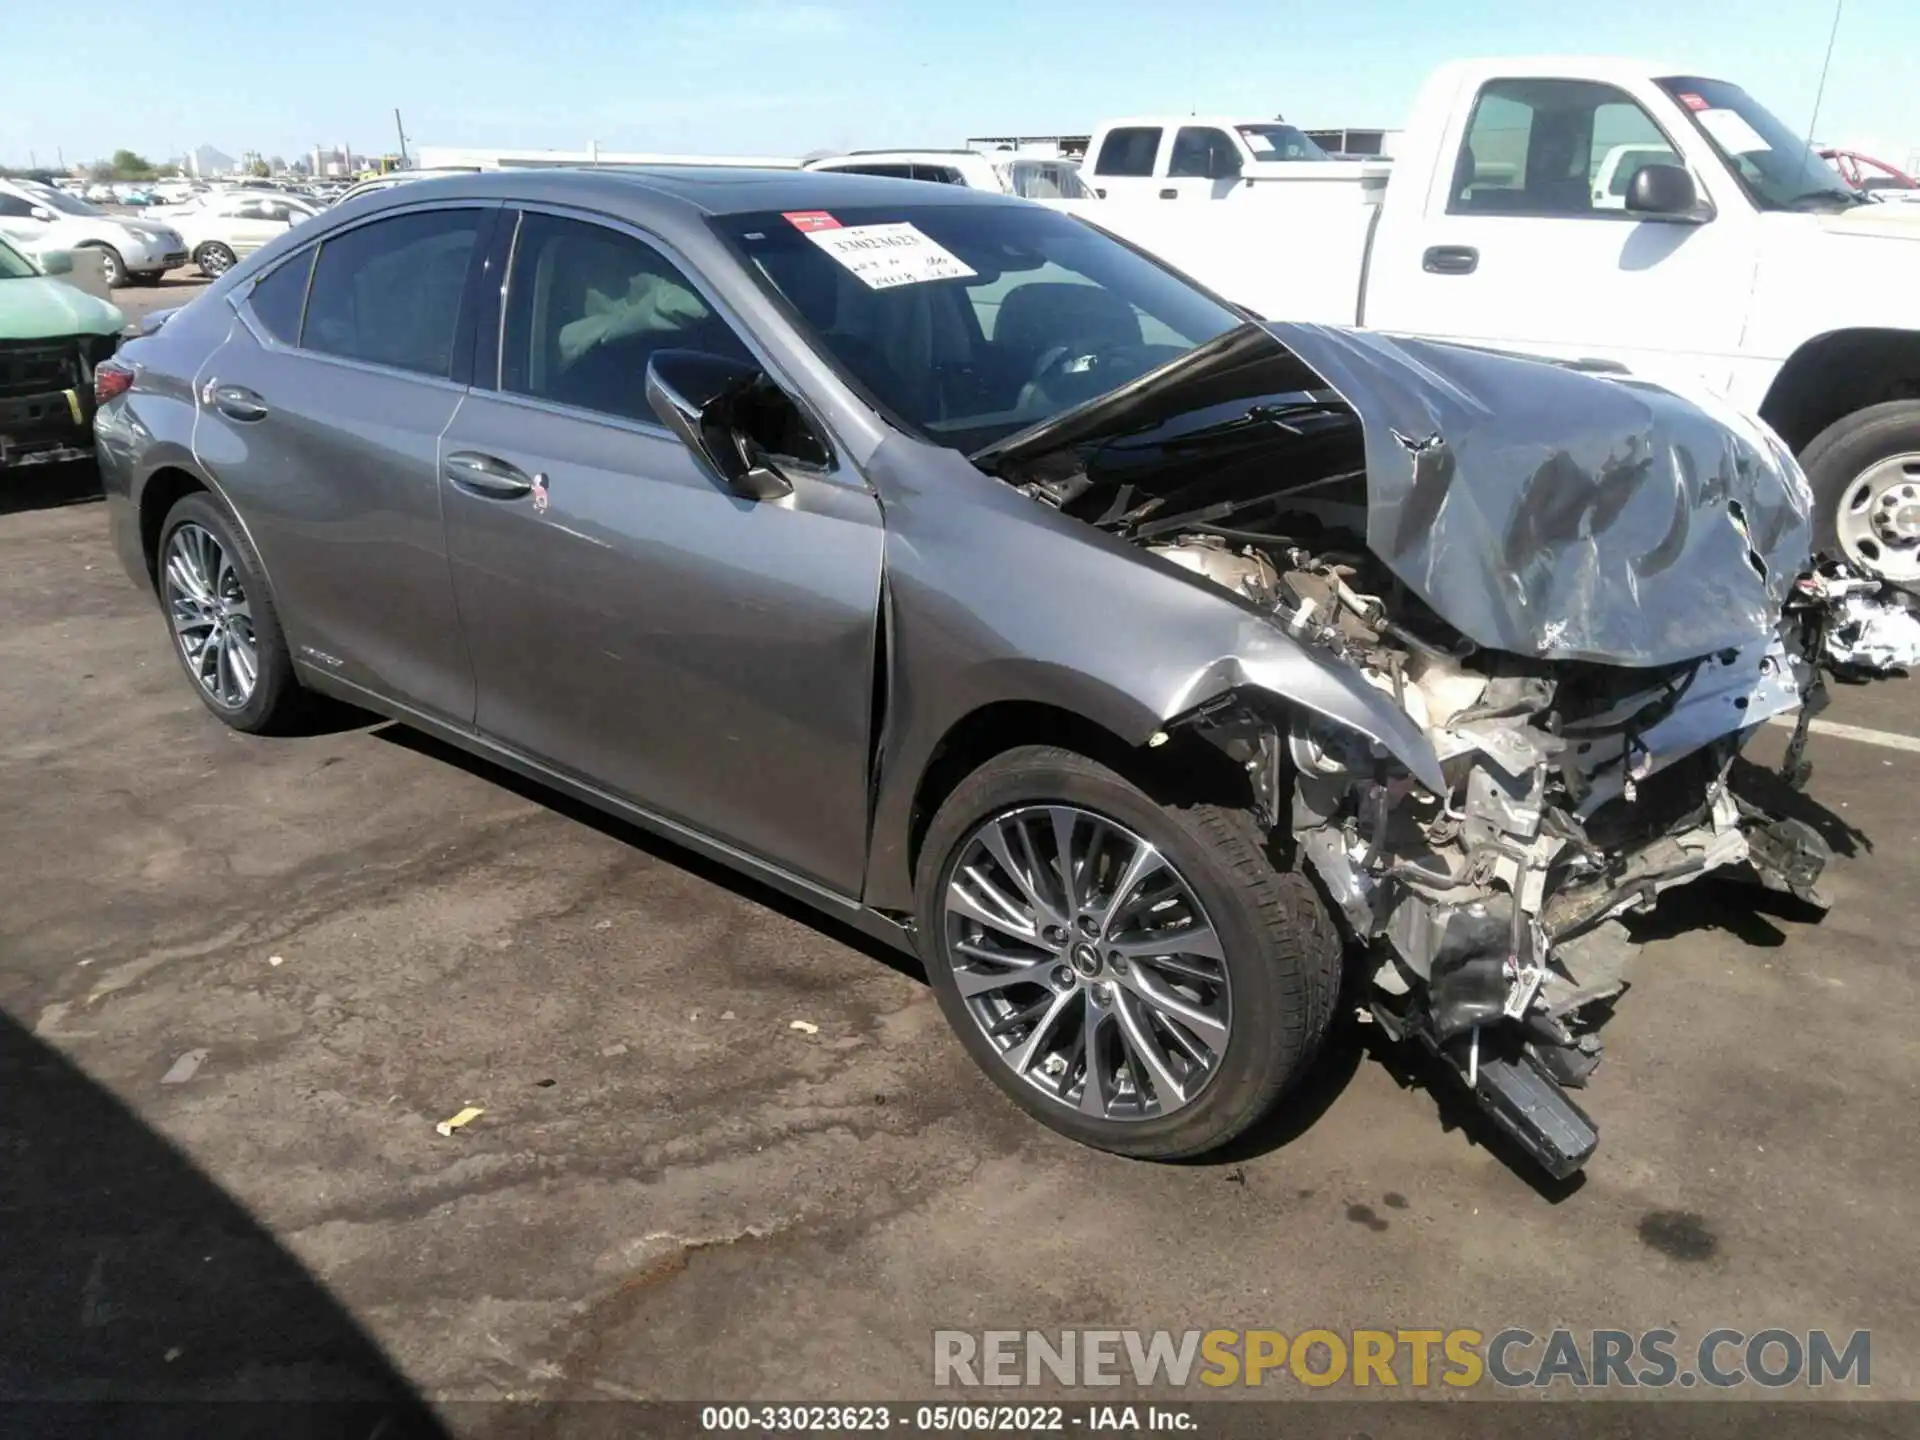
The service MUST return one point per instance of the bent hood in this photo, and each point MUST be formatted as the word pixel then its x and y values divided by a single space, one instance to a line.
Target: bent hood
pixel 1550 512
pixel 39 308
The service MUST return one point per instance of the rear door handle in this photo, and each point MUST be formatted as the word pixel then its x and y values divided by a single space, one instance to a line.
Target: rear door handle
pixel 1450 260
pixel 236 402
pixel 487 475
pixel 1169 194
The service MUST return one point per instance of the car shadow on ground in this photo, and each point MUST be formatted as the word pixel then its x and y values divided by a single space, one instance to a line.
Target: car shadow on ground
pixel 1350 1041
pixel 42 487
pixel 142 1299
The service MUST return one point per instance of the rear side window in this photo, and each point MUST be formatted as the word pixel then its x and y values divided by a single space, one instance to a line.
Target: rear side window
pixel 278 297
pixel 885 172
pixel 1129 151
pixel 1201 150
pixel 587 307
pixel 389 293
pixel 937 174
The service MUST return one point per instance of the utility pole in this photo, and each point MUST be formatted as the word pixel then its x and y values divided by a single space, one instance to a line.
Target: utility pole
pixel 402 132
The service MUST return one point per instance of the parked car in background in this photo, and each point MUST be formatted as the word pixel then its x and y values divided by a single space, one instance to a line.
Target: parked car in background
pixel 39 218
pixel 231 226
pixel 1193 157
pixel 375 184
pixel 52 337
pixel 944 562
pixel 1031 177
pixel 1874 178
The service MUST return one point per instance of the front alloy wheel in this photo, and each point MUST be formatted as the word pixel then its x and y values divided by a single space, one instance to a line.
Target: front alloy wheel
pixel 1088 962
pixel 211 616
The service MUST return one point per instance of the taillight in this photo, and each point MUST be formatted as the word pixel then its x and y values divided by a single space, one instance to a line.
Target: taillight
pixel 110 378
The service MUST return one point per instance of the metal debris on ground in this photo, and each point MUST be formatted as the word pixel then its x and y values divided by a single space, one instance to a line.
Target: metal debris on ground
pixel 185 1068
pixel 611 1051
pixel 464 1118
pixel 805 1027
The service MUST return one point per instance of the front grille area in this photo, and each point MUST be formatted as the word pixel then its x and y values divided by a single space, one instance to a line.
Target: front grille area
pixel 40 366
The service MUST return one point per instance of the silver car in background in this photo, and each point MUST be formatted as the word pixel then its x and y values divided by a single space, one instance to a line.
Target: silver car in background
pixel 942 561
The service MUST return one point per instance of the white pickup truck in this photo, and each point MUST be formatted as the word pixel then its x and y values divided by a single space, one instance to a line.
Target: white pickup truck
pixel 1206 157
pixel 1743 261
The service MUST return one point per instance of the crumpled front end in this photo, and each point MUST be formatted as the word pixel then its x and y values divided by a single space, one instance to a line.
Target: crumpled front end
pixel 1577 598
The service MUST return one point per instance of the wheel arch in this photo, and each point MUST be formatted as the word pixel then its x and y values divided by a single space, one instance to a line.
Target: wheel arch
pixel 1833 375
pixel 164 488
pixel 1180 764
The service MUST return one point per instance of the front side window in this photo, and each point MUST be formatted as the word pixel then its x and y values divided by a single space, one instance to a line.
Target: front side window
pixel 587 308
pixel 1778 169
pixel 1042 313
pixel 1130 150
pixel 1201 150
pixel 12 207
pixel 1550 148
pixel 389 292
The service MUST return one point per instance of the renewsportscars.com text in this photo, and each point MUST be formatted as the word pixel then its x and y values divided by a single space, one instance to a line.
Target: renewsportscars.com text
pixel 1511 1358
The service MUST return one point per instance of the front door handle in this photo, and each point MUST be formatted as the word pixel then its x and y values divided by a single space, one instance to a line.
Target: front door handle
pixel 236 402
pixel 1450 260
pixel 1169 194
pixel 487 475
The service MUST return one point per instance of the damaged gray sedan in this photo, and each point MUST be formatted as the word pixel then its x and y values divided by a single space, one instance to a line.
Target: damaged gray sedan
pixel 942 561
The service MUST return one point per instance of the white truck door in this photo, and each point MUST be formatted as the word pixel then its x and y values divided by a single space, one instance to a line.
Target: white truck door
pixel 1123 167
pixel 1203 164
pixel 1511 246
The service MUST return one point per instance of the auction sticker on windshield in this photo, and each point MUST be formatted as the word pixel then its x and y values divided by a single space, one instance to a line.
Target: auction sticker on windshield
pixel 883 256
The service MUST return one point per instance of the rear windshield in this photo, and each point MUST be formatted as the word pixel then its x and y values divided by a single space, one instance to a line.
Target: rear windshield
pixel 967 323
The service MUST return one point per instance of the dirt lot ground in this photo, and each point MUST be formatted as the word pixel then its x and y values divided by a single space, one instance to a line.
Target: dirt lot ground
pixel 241 979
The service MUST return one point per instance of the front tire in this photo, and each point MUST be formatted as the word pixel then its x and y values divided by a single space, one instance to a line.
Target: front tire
pixel 112 267
pixel 226 631
pixel 1155 994
pixel 1864 470
pixel 214 259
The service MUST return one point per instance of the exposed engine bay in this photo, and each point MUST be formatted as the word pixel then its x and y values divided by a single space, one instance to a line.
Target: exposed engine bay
pixel 1585 730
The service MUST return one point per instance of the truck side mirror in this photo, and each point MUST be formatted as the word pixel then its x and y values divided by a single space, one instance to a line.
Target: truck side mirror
pixel 1663 192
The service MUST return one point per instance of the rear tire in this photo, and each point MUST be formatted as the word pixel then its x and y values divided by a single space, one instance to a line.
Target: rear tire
pixel 226 632
pixel 1857 468
pixel 1279 955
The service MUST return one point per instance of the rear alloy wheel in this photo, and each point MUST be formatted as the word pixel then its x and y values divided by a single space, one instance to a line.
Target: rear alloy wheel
pixel 225 629
pixel 1135 975
pixel 214 259
pixel 212 617
pixel 1865 475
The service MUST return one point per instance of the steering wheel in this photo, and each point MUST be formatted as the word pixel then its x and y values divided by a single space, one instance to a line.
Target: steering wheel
pixel 1068 374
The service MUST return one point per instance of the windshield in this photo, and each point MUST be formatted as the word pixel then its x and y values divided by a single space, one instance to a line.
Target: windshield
pixel 14 265
pixel 1779 170
pixel 967 323
pixel 59 200
pixel 1280 142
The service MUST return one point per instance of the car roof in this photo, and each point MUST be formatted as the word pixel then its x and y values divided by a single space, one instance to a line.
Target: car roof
pixel 716 190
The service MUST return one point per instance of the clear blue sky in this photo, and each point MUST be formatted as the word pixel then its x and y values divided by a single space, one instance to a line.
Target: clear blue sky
pixel 782 77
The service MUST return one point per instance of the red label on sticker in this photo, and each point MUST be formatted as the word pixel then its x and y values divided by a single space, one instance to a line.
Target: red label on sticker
pixel 1694 102
pixel 810 220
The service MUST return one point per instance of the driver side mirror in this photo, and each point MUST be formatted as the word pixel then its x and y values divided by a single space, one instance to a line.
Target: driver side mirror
pixel 1664 192
pixel 703 399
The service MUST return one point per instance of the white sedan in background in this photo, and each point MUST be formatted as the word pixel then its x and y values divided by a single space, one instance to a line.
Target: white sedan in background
pixel 233 224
